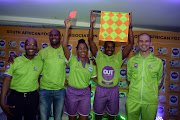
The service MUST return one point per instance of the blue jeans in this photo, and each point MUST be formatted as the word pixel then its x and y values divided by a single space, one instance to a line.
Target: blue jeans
pixel 46 98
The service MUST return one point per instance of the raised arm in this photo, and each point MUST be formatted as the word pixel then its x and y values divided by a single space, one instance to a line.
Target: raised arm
pixel 67 23
pixel 130 44
pixel 4 91
pixel 92 44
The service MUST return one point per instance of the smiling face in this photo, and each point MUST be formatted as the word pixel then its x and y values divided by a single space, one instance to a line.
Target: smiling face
pixel 30 47
pixel 144 42
pixel 55 38
pixel 82 50
pixel 109 48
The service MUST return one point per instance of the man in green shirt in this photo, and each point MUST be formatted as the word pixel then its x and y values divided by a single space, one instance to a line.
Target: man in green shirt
pixel 53 78
pixel 22 78
pixel 146 76
pixel 108 67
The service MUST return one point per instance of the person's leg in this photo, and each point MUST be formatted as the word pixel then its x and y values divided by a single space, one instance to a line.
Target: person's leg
pixel 83 117
pixel 31 106
pixel 72 117
pixel 133 110
pixel 58 103
pixel 45 100
pixel 149 111
pixel 17 101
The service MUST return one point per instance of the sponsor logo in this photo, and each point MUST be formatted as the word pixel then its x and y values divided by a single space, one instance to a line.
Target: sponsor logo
pixel 162 98
pixel 151 48
pixel 67 70
pixel 173 100
pixel 11 53
pixel 22 44
pixel 102 48
pixel 2 65
pixel 44 45
pixel 174 76
pixel 174 87
pixel 123 73
pixel 108 73
pixel 173 111
pixel 2 44
pixel 160 111
pixel 174 63
pixel 164 62
pixel 175 52
pixel 1 74
pixel 90 69
pixel 136 65
pixel 123 84
pixel 12 43
pixel 135 49
pixel 162 50
pixel 122 94
pixel 2 53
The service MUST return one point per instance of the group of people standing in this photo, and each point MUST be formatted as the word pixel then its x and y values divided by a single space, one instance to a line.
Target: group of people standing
pixel 143 71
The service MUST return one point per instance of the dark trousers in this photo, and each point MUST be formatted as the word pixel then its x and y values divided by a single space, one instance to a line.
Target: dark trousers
pixel 26 104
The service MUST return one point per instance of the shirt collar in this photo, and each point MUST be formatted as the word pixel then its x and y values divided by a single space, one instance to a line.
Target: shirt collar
pixel 78 58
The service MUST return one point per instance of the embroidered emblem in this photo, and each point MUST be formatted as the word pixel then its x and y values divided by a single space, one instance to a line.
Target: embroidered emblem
pixel 136 65
pixel 60 56
pixel 77 65
pixel 150 66
pixel 35 68
pixel 90 68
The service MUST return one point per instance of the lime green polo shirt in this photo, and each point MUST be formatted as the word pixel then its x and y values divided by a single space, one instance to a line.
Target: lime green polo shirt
pixel 108 68
pixel 146 76
pixel 53 73
pixel 80 73
pixel 24 74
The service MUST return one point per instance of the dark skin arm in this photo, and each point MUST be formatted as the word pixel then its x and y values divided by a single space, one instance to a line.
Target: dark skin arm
pixel 92 44
pixel 130 44
pixel 66 50
pixel 4 92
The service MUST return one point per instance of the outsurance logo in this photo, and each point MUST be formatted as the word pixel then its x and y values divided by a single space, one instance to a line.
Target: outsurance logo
pixel 2 44
pixel 44 45
pixel 67 70
pixel 22 44
pixel 174 76
pixel 175 52
pixel 123 73
pixel 108 73
pixel 2 65
pixel 173 100
pixel 11 53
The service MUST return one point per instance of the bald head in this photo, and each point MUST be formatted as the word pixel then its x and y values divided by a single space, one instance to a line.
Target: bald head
pixel 30 39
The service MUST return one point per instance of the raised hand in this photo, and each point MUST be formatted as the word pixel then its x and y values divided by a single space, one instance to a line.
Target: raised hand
pixel 130 19
pixel 67 22
pixel 92 17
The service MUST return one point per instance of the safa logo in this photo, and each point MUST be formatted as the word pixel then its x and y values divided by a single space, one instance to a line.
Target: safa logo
pixel 22 44
pixel 173 100
pixel 175 52
pixel 44 45
pixel 2 44
pixel 108 73
pixel 174 76
pixel 2 65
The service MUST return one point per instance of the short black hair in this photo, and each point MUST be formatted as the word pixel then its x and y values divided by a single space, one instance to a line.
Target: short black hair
pixel 81 41
pixel 144 34
pixel 106 42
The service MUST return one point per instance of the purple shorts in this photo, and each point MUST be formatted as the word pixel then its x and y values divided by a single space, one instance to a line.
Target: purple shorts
pixel 106 100
pixel 77 101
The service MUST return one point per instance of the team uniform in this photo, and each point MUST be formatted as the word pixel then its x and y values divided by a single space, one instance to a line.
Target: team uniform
pixel 146 78
pixel 107 91
pixel 78 94
pixel 52 82
pixel 24 85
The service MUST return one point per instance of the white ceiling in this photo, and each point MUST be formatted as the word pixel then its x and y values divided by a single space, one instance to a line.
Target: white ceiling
pixel 146 14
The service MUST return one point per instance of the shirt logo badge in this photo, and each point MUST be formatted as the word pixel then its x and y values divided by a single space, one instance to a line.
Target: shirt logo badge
pixel 90 69
pixel 136 65
pixel 60 56
pixel 77 65
pixel 150 66
pixel 35 68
